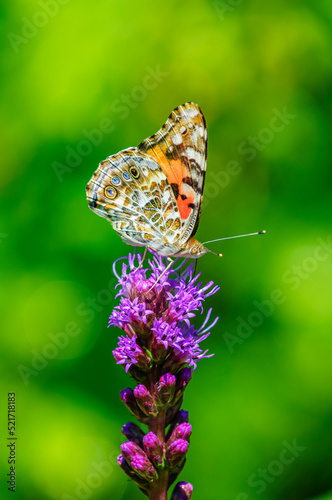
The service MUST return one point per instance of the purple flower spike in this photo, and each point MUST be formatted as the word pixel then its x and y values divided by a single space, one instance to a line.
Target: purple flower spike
pixel 182 491
pixel 159 348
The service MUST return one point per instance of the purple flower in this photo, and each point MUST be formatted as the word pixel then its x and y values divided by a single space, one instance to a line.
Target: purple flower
pixel 129 352
pixel 160 348
pixel 156 307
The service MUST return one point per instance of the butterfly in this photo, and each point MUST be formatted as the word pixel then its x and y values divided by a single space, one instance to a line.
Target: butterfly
pixel 152 194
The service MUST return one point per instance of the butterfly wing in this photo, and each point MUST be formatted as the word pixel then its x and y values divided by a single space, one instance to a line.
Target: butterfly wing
pixel 180 148
pixel 132 192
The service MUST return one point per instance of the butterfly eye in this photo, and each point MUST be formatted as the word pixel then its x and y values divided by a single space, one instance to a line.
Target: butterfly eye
pixel 111 192
pixel 134 172
pixel 115 180
pixel 126 176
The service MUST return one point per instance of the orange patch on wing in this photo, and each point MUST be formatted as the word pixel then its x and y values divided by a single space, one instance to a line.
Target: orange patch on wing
pixel 173 169
pixel 184 208
pixel 176 172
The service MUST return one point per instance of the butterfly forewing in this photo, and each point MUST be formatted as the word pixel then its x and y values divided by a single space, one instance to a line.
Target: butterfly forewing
pixel 180 148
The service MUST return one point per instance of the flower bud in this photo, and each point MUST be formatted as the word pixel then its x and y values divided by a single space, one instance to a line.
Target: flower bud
pixel 181 416
pixel 153 448
pixel 145 401
pixel 176 451
pixel 128 397
pixel 164 389
pixel 138 461
pixel 183 378
pixel 181 431
pixel 142 483
pixel 133 433
pixel 182 491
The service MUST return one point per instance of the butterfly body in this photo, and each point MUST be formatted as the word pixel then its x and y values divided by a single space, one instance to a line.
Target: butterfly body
pixel 152 194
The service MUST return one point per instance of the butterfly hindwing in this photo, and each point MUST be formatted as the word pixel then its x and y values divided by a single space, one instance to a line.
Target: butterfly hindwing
pixel 131 190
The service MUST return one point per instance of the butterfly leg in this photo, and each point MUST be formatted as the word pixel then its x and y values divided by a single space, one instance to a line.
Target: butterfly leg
pixel 144 255
pixel 162 274
pixel 143 259
pixel 140 265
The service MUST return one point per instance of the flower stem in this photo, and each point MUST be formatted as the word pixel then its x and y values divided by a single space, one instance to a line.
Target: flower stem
pixel 158 489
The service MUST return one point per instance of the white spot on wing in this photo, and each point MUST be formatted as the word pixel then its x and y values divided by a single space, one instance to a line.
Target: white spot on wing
pixel 193 154
pixel 166 197
pixel 192 112
pixel 177 139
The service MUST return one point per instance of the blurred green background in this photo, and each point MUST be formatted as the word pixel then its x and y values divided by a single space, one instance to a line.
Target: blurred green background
pixel 82 80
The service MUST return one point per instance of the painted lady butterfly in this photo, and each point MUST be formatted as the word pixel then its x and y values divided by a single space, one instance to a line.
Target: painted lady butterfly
pixel 152 194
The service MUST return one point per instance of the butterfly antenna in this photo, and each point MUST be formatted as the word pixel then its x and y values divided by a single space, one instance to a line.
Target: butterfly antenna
pixel 231 237
pixel 214 253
